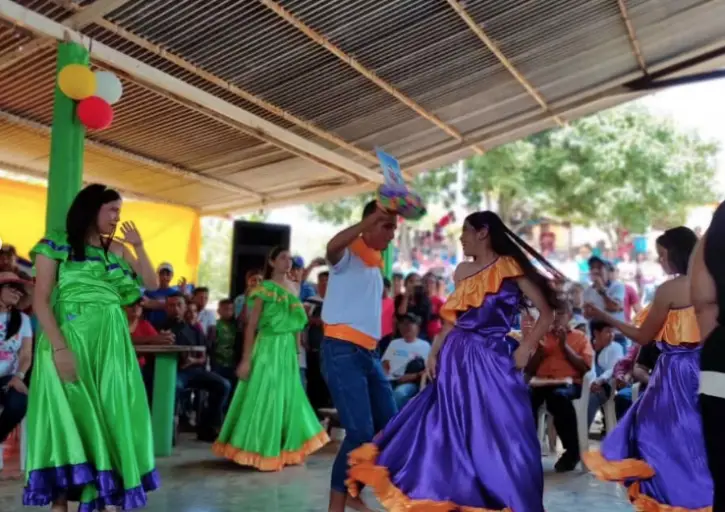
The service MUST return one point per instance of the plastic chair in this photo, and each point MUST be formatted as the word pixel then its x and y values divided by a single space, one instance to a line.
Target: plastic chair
pixel 636 387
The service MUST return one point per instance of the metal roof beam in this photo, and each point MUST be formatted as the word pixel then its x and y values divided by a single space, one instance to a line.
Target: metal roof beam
pixel 133 157
pixel 77 21
pixel 370 75
pixel 493 47
pixel 632 34
pixel 159 51
pixel 216 107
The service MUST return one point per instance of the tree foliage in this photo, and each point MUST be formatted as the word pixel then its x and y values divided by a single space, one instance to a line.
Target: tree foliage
pixel 624 168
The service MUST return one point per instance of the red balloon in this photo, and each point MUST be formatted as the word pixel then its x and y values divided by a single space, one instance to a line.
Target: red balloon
pixel 95 113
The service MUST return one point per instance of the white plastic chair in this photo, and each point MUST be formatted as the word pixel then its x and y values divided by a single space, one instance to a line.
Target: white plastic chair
pixel 581 407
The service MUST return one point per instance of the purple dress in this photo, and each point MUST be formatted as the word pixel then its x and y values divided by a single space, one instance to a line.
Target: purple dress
pixel 467 441
pixel 657 450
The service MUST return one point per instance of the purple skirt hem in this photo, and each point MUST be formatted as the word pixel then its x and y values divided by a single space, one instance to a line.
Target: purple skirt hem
pixel 45 485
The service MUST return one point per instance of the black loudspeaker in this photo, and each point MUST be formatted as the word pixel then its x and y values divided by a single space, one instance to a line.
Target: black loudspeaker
pixel 252 243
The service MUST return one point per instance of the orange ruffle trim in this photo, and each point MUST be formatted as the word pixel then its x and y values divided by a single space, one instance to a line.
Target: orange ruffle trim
pixel 278 463
pixel 616 470
pixel 680 327
pixel 363 469
pixel 472 291
pixel 626 469
pixel 643 503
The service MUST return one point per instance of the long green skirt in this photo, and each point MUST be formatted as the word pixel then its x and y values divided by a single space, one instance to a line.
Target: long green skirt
pixel 90 440
pixel 270 423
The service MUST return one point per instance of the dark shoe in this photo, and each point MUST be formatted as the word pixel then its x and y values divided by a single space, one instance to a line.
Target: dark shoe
pixel 207 435
pixel 566 463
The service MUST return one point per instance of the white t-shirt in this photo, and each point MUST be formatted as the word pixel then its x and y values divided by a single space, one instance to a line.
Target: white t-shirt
pixel 607 359
pixel 615 291
pixel 401 352
pixel 10 349
pixel 207 319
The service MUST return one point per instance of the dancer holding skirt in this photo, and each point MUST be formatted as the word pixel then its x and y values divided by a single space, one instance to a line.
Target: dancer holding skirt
pixel 468 441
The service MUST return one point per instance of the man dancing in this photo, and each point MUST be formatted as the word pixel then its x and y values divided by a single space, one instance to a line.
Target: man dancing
pixel 351 366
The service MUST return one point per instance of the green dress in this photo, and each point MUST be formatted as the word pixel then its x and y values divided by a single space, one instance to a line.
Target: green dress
pixel 270 423
pixel 90 440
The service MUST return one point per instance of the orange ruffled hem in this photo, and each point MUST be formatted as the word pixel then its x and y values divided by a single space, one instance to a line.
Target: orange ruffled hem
pixel 363 469
pixel 278 463
pixel 626 469
pixel 643 503
pixel 616 470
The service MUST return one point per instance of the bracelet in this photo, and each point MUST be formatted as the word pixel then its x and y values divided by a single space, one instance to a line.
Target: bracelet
pixel 20 375
pixel 61 349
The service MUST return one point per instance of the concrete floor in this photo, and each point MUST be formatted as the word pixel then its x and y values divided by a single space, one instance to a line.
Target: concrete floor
pixel 193 480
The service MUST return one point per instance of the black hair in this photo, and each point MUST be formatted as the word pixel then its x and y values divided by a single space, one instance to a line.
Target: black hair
pixel 174 295
pixel 200 289
pixel 505 242
pixel 253 272
pixel 225 302
pixel 15 318
pixel 276 251
pixel 83 216
pixel 679 243
pixel 397 275
pixel 713 250
pixel 387 283
pixel 409 277
pixel 370 208
pixel 598 325
pixel 324 273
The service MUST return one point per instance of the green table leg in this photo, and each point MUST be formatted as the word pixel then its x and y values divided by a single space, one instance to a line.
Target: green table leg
pixel 164 401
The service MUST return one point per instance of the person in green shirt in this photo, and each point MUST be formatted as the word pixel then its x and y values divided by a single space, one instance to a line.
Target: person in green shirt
pixel 223 360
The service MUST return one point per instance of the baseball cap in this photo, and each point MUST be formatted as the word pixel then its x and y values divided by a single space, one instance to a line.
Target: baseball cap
pixel 298 262
pixel 596 260
pixel 166 266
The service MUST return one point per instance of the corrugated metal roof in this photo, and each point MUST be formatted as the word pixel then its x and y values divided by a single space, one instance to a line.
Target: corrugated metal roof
pixel 411 76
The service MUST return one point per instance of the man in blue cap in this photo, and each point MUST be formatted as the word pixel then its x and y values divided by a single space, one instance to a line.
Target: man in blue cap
pixel 299 275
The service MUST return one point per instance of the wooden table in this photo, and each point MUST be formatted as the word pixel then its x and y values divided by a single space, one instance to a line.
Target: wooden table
pixel 164 392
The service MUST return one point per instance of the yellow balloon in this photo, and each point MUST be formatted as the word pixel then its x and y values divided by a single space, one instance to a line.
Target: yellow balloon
pixel 77 81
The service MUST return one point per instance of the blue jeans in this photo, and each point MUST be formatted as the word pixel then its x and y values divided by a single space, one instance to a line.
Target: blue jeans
pixel 217 387
pixel 15 404
pixel 361 394
pixel 404 392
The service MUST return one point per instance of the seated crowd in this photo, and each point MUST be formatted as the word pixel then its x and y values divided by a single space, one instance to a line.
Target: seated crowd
pixel 179 315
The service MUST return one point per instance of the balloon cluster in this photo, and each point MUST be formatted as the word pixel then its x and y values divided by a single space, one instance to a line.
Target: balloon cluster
pixel 401 200
pixel 94 91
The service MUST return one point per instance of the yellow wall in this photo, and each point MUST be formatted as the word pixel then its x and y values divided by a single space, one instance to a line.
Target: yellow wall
pixel 170 233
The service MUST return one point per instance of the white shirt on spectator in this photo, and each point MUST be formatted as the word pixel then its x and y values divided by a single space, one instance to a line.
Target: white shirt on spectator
pixel 607 358
pixel 400 352
pixel 207 319
pixel 615 291
pixel 10 348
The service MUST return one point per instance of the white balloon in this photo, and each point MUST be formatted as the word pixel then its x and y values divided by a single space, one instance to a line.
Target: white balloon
pixel 108 87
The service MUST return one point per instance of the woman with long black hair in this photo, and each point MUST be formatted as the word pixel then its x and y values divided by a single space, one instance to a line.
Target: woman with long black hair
pixel 270 423
pixel 468 440
pixel 657 449
pixel 707 282
pixel 88 416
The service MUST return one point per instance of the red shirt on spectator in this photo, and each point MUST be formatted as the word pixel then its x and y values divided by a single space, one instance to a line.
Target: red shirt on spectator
pixel 388 317
pixel 435 325
pixel 630 299
pixel 143 329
